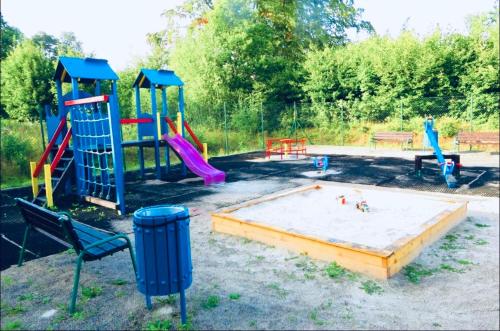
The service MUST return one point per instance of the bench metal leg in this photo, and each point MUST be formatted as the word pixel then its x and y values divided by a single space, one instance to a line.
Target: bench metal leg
pixel 76 282
pixel 148 302
pixel 132 255
pixel 21 254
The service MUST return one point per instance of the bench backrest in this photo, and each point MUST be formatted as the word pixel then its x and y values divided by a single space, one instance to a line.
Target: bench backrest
pixel 55 226
pixel 478 136
pixel 393 135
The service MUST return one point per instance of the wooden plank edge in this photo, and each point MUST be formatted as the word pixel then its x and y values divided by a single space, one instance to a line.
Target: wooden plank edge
pixel 411 249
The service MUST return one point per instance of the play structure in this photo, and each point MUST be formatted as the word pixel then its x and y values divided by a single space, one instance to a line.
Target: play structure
pixel 377 241
pixel 94 160
pixel 449 169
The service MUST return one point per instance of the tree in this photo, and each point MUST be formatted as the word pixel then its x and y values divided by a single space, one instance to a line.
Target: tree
pixel 48 43
pixel 11 36
pixel 26 81
pixel 69 45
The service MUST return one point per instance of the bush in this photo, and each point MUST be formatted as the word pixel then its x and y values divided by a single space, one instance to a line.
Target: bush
pixel 448 127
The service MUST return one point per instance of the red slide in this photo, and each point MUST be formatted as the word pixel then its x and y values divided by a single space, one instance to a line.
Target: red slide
pixel 194 161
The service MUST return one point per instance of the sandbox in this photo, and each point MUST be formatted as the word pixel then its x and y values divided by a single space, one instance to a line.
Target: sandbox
pixel 310 220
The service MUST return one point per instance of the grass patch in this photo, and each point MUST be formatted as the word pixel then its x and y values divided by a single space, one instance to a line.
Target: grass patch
pixel 234 296
pixel 482 225
pixel 480 242
pixel 371 287
pixel 118 282
pixel 211 302
pixel 79 315
pixel 259 258
pixel 415 272
pixel 334 270
pixel 450 268
pixel 159 325
pixel 7 281
pixel 450 243
pixel 13 325
pixel 280 292
pixel 168 300
pixel 252 323
pixel 91 292
pixel 13 310
pixel 26 297
pixel 464 262
pixel 313 316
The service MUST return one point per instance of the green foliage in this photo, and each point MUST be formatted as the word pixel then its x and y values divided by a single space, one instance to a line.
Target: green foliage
pixel 13 325
pixel 211 302
pixel 11 36
pixel 448 127
pixel 333 270
pixel 371 287
pixel 234 296
pixel 26 81
pixel 415 272
pixel 159 325
pixel 91 292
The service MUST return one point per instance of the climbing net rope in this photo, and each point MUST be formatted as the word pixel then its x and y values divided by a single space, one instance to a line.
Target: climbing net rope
pixel 91 129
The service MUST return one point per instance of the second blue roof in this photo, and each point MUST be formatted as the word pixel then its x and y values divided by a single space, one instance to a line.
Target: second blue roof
pixel 157 77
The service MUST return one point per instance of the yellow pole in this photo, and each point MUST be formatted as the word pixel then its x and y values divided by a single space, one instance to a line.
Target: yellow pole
pixel 34 180
pixel 158 125
pixel 179 123
pixel 286 149
pixel 205 151
pixel 48 185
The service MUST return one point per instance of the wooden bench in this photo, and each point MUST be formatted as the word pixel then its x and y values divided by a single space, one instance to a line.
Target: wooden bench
pixel 477 138
pixel 89 243
pixel 405 138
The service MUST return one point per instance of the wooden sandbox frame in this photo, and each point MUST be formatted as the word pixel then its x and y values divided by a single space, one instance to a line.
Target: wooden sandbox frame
pixel 377 263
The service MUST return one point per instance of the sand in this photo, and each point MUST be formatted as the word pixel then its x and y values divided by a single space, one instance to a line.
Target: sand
pixel 391 215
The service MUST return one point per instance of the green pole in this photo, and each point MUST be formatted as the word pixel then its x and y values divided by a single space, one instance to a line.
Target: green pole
pixel 470 113
pixel 401 109
pixel 40 112
pixel 262 123
pixel 295 119
pixel 225 130
pixel 342 123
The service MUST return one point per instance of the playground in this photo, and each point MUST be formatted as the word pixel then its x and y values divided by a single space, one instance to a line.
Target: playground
pixel 293 236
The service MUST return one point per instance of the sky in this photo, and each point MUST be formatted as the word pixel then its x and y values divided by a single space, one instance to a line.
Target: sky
pixel 116 29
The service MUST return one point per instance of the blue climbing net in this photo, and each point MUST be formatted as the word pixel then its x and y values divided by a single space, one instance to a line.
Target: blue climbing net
pixel 93 150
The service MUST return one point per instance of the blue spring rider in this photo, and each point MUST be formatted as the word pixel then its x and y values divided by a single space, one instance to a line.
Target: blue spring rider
pixel 321 163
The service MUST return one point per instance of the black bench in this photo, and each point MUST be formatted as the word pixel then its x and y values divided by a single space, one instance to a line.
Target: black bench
pixel 89 243
pixel 405 138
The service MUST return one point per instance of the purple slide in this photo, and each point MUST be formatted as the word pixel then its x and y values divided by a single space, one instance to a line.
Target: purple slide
pixel 194 161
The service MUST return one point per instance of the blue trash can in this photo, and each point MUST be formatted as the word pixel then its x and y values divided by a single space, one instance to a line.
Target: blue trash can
pixel 163 252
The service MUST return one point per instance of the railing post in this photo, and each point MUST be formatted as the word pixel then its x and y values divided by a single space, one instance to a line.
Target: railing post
pixel 158 124
pixel 205 151
pixel 34 179
pixel 179 123
pixel 48 185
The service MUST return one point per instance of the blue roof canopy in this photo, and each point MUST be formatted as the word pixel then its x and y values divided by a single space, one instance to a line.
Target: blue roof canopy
pixel 87 70
pixel 157 77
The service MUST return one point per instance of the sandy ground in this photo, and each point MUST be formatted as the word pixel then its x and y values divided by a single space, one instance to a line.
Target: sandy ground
pixel 392 215
pixel 242 284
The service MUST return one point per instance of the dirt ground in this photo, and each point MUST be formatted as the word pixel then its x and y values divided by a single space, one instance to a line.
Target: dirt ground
pixel 242 284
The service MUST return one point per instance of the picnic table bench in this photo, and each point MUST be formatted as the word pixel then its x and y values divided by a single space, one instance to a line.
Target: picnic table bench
pixel 88 242
pixel 405 138
pixel 477 138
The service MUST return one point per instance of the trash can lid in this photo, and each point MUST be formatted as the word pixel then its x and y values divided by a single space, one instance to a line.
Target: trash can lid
pixel 159 215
